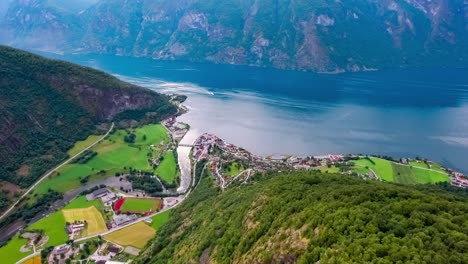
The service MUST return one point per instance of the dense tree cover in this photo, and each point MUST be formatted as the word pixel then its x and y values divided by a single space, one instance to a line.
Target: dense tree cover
pixel 3 199
pixel 146 183
pixel 306 217
pixel 84 157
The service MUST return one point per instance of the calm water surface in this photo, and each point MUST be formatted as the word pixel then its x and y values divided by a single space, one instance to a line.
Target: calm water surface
pixel 401 112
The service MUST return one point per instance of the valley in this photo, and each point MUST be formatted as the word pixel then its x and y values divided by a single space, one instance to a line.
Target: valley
pixel 126 218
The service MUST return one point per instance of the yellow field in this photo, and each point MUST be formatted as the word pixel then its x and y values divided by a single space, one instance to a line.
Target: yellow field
pixel 33 260
pixel 136 235
pixel 91 215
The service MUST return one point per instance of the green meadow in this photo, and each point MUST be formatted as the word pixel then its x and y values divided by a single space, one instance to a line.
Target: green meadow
pixel 234 169
pixel 404 174
pixel 80 145
pixel 160 219
pixel 11 252
pixel 54 227
pixel 167 170
pixel 113 155
pixel 381 167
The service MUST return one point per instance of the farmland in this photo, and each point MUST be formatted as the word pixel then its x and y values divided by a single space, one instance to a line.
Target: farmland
pixel 33 260
pixel 381 167
pixel 400 173
pixel 53 227
pixel 136 235
pixel 114 155
pixel 160 219
pixel 136 205
pixel 11 251
pixel 167 170
pixel 95 221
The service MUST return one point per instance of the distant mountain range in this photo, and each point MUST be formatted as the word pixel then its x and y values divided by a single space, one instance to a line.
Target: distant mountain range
pixel 320 35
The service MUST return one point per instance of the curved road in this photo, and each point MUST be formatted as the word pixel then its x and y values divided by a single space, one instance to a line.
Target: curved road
pixel 52 171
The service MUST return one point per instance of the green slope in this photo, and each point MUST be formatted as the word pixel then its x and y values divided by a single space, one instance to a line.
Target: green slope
pixel 306 217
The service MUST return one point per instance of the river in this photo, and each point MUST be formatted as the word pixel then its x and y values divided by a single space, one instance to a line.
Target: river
pixel 398 112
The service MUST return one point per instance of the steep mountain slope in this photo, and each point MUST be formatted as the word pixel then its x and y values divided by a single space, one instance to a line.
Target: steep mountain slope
pixel 321 35
pixel 47 105
pixel 307 217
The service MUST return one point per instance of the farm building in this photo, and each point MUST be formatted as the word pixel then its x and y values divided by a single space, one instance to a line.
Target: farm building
pixel 109 197
pixel 97 194
pixel 124 219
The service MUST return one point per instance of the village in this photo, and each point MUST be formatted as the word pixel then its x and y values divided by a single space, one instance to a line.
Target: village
pixel 111 230
pixel 229 163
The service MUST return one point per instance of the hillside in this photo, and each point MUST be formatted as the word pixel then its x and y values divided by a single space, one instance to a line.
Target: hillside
pixel 308 217
pixel 47 105
pixel 323 35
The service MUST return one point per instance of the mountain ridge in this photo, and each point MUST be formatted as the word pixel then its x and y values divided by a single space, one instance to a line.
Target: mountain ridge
pixel 323 36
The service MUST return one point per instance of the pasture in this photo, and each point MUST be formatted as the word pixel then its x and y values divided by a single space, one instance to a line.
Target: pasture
pixel 95 221
pixel 417 173
pixel 113 155
pixel 80 145
pixel 136 235
pixel 160 219
pixel 167 170
pixel 53 227
pixel 140 205
pixel 381 167
pixel 11 251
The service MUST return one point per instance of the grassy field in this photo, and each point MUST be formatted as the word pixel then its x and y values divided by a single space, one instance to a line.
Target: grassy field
pixel 399 173
pixel 433 166
pixel 139 205
pixel 80 145
pixel 113 155
pixel 160 219
pixel 33 260
pixel 383 168
pixel 54 227
pixel 91 215
pixel 167 170
pixel 82 202
pixel 10 253
pixel 234 169
pixel 136 235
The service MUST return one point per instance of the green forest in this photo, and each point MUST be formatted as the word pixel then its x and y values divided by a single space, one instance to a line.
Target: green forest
pixel 306 217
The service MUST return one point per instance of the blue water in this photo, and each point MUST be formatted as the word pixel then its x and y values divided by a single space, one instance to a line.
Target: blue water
pixel 398 112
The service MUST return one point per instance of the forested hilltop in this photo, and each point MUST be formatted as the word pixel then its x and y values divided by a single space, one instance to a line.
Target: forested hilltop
pixel 308 217
pixel 47 105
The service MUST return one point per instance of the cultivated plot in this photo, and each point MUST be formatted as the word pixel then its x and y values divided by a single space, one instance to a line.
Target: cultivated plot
pixel 136 235
pixel 95 221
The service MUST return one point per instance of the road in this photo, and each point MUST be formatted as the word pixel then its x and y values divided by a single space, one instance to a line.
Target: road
pixel 47 174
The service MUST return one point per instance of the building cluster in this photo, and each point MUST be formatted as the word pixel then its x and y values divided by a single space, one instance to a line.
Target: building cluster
pixel 458 180
pixel 177 129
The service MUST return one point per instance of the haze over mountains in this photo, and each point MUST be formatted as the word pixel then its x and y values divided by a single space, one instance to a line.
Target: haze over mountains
pixel 324 36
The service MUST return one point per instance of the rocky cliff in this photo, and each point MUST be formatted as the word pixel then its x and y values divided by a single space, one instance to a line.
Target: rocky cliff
pixel 320 35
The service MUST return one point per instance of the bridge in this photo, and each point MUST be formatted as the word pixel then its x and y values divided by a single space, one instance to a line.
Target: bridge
pixel 186 145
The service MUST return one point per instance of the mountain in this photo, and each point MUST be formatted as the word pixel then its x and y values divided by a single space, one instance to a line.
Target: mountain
pixel 308 217
pixel 47 105
pixel 321 35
